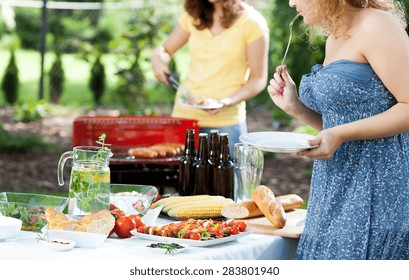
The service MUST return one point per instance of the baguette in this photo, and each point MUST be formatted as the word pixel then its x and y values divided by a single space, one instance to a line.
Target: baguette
pixel 290 201
pixel 264 198
pixel 241 210
pixel 249 209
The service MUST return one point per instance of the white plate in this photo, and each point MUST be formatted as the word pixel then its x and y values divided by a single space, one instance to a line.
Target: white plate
pixel 58 244
pixel 9 227
pixel 278 142
pixel 197 243
pixel 163 250
pixel 81 239
pixel 213 104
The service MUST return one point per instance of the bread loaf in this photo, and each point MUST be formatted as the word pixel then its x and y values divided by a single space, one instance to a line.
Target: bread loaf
pixel 264 198
pixel 241 210
pixel 290 201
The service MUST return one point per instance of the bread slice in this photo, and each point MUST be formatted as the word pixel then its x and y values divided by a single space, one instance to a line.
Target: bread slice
pixel 58 221
pixel 101 222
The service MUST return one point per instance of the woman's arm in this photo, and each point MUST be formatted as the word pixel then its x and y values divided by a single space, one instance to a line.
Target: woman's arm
pixel 257 57
pixel 163 53
pixel 283 92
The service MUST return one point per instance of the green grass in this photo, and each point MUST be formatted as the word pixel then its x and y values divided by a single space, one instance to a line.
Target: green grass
pixel 77 72
pixel 22 143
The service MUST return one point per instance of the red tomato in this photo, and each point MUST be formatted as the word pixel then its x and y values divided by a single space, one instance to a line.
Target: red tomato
pixel 226 230
pixel 234 230
pixel 218 232
pixel 140 229
pixel 137 219
pixel 194 235
pixel 123 227
pixel 241 225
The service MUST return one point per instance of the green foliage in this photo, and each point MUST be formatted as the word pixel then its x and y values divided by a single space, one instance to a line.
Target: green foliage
pixel 56 79
pixel 68 28
pixel 28 27
pixel 140 34
pixel 10 82
pixel 131 89
pixel 97 80
pixel 30 111
pixel 24 143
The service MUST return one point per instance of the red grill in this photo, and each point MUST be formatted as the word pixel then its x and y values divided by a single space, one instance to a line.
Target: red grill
pixel 125 132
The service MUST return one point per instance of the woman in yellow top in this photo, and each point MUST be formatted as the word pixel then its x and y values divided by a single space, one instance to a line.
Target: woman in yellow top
pixel 228 46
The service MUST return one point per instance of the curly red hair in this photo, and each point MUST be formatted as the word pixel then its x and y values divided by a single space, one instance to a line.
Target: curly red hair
pixel 328 14
pixel 202 11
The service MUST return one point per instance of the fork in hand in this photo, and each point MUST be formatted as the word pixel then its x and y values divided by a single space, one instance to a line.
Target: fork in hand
pixel 289 40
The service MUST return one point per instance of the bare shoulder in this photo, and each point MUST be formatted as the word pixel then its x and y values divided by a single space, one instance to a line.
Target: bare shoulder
pixel 374 22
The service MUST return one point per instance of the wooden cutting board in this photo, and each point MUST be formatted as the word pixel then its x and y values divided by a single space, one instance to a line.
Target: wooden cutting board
pixel 293 228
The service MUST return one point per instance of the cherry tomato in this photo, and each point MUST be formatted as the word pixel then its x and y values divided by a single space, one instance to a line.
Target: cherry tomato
pixel 241 225
pixel 226 230
pixel 234 230
pixel 194 235
pixel 218 232
pixel 123 227
pixel 137 220
pixel 140 229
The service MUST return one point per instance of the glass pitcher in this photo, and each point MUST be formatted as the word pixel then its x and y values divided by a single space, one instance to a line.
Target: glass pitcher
pixel 90 179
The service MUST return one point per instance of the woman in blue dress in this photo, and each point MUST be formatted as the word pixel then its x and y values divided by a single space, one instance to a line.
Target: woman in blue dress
pixel 359 101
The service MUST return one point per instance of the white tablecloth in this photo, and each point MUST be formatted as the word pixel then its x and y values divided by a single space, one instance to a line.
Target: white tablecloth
pixel 25 246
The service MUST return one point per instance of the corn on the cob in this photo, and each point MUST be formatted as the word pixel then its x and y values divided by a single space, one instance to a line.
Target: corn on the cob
pixel 205 200
pixel 204 209
pixel 176 199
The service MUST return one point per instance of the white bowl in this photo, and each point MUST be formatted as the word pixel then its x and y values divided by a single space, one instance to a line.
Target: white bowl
pixel 81 239
pixel 9 227
pixel 58 244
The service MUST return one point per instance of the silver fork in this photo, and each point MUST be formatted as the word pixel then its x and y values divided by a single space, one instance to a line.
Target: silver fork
pixel 291 35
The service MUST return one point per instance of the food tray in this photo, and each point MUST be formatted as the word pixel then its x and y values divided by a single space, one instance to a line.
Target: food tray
pixel 196 243
pixel 121 157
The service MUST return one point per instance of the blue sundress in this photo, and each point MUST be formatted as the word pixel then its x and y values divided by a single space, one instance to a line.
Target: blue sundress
pixel 358 206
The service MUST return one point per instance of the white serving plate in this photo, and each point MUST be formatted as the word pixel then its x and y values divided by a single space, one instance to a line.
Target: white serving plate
pixel 58 244
pixel 197 243
pixel 213 104
pixel 278 142
pixel 81 239
pixel 9 227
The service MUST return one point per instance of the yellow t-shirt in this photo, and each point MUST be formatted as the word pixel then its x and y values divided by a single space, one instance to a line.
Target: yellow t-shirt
pixel 218 66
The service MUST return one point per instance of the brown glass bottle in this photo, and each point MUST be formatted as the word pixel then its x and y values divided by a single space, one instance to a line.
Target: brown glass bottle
pixel 224 170
pixel 213 158
pixel 201 167
pixel 186 175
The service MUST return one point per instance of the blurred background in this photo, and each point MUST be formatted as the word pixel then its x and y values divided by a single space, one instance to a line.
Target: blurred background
pixel 63 59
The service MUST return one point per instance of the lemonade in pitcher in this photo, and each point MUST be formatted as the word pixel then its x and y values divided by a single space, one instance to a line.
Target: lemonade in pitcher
pixel 89 188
